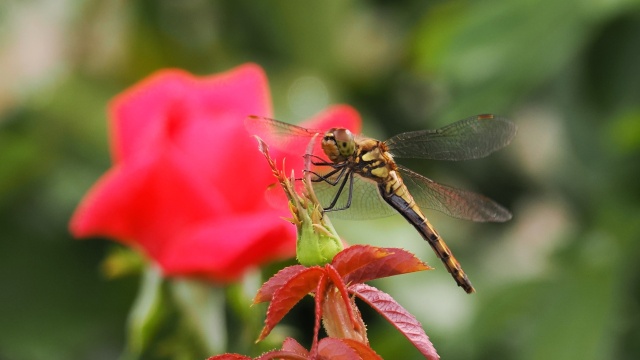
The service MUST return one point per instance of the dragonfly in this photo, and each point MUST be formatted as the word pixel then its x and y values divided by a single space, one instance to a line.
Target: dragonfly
pixel 364 181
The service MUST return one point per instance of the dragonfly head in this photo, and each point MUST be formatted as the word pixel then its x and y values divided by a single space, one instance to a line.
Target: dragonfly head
pixel 338 144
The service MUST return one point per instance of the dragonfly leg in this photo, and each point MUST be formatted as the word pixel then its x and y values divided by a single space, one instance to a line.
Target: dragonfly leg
pixel 336 168
pixel 322 162
pixel 331 207
pixel 319 161
pixel 326 176
pixel 341 169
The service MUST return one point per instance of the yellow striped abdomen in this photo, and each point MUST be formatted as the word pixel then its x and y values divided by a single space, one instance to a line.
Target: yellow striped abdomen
pixel 395 193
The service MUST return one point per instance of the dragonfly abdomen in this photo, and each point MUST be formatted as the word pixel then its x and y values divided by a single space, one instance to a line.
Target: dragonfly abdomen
pixel 395 193
pixel 444 253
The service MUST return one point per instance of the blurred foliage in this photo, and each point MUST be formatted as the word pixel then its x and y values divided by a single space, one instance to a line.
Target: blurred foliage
pixel 560 281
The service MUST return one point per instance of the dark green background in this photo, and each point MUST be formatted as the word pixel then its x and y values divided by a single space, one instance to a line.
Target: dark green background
pixel 559 281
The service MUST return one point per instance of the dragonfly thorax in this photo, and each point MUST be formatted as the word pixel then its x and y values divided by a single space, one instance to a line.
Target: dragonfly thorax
pixel 338 144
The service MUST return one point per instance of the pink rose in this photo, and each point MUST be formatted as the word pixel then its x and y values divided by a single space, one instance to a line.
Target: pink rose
pixel 187 182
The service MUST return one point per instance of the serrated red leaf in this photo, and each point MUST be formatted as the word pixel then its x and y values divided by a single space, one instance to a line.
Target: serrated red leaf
pixel 275 282
pixel 336 349
pixel 365 352
pixel 281 355
pixel 292 345
pixel 356 257
pixel 289 294
pixel 396 262
pixel 398 316
pixel 229 357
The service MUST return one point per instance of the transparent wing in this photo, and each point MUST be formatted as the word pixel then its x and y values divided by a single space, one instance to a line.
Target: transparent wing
pixel 366 202
pixel 285 137
pixel 471 138
pixel 457 203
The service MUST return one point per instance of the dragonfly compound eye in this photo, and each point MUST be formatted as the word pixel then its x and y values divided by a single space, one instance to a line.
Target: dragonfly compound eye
pixel 345 142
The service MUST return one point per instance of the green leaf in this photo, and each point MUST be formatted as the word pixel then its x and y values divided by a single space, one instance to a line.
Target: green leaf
pixel 146 313
pixel 491 53
pixel 624 132
pixel 203 307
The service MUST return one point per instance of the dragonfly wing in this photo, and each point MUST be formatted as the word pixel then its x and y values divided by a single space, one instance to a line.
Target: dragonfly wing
pixel 285 137
pixel 472 138
pixel 457 203
pixel 366 202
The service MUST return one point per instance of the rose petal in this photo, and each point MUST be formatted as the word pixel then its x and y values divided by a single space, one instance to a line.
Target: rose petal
pixel 168 102
pixel 150 198
pixel 187 185
pixel 223 249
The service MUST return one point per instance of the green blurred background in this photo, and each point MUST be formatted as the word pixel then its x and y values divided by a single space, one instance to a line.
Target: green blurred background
pixel 559 281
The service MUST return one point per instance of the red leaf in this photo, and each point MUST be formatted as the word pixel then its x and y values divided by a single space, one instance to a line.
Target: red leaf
pixel 398 316
pixel 355 257
pixel 281 354
pixel 336 349
pixel 229 357
pixel 292 345
pixel 288 295
pixel 365 352
pixel 397 261
pixel 275 282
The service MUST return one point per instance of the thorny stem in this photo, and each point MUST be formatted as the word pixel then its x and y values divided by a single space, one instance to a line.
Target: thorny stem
pixel 320 291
